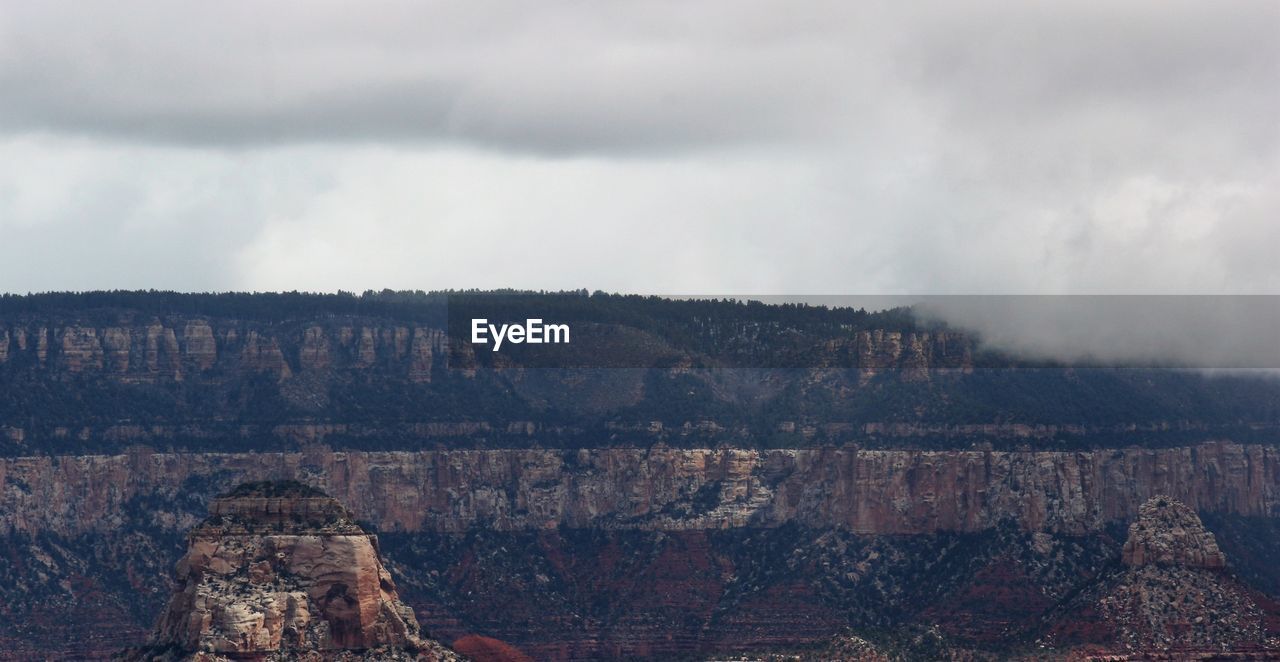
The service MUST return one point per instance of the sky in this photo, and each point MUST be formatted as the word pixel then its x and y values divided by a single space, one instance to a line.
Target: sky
pixel 720 146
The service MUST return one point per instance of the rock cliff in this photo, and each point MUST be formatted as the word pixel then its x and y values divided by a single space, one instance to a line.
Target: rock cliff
pixel 281 571
pixel 711 477
pixel 875 492
pixel 99 380
pixel 176 347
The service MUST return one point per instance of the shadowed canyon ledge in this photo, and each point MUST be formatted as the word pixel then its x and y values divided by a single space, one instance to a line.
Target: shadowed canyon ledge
pixel 865 491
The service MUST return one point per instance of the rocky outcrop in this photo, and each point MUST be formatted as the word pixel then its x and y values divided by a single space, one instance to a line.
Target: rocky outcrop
pixel 911 355
pixel 1173 596
pixel 199 346
pixel 427 343
pixel 81 349
pixel 160 353
pixel 281 570
pixel 866 491
pixel 314 353
pixel 1168 533
pixel 366 348
pixel 262 354
pixel 115 343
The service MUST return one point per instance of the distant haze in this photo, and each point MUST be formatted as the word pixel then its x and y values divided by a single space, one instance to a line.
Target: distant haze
pixel 1203 332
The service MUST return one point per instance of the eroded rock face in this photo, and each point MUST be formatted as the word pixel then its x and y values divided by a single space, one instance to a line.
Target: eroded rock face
pixel 867 491
pixel 1168 533
pixel 178 347
pixel 1174 596
pixel 314 352
pixel 282 571
pixel 199 344
pixel 427 343
pixel 81 349
pixel 160 352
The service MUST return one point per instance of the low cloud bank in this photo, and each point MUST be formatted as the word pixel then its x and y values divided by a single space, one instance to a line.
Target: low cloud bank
pixel 1200 332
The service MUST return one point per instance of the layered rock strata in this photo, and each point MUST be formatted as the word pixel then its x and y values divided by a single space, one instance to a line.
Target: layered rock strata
pixel 178 347
pixel 875 492
pixel 280 571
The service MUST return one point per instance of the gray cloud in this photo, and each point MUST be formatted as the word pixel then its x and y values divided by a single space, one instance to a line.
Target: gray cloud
pixel 568 76
pixel 735 147
pixel 1199 332
pixel 555 78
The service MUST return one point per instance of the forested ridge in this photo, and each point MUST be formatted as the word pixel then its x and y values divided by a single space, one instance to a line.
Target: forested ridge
pixel 101 371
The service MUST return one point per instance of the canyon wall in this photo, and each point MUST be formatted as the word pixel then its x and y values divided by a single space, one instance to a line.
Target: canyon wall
pixel 177 347
pixel 864 491
pixel 101 381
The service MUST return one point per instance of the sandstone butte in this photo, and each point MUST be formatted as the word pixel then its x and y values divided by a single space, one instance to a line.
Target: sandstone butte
pixel 1175 597
pixel 1167 532
pixel 281 571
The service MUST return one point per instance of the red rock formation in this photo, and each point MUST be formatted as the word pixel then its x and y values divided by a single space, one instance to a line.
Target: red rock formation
pixel 1173 598
pixel 280 569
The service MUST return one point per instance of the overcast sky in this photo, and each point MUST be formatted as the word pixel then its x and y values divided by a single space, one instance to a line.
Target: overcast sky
pixel 728 146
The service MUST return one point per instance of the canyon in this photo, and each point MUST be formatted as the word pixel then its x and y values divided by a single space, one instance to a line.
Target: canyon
pixel 696 550
pixel 703 478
